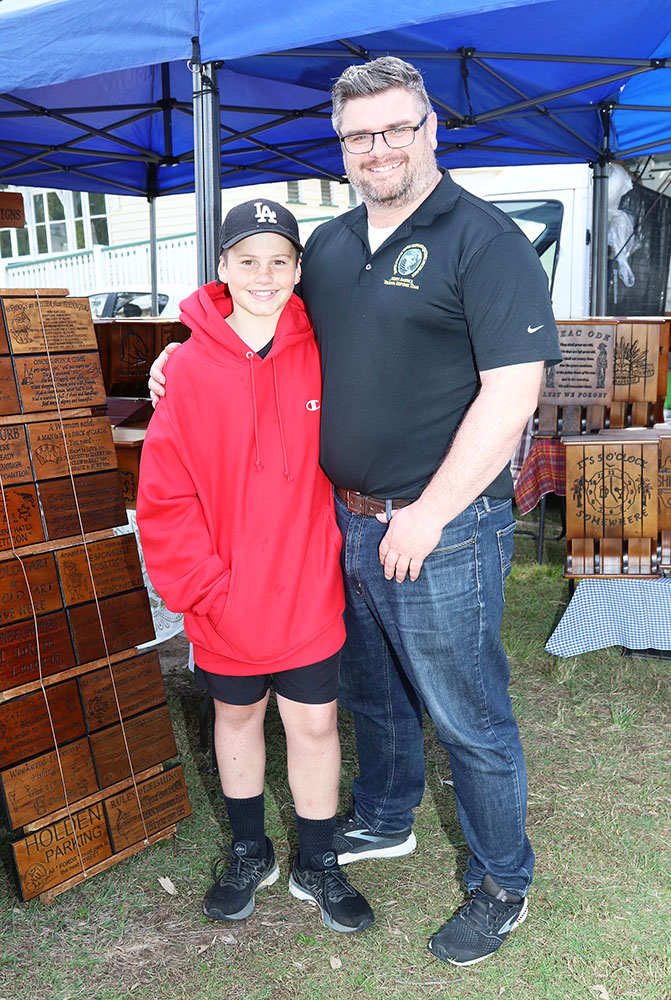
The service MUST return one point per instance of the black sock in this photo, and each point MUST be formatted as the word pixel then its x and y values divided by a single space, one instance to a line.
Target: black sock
pixel 315 837
pixel 247 819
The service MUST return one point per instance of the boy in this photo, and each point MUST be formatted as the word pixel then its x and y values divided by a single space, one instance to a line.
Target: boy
pixel 238 532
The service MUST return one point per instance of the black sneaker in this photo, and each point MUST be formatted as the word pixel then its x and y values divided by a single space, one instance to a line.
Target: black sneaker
pixel 481 926
pixel 232 895
pixel 325 885
pixel 353 841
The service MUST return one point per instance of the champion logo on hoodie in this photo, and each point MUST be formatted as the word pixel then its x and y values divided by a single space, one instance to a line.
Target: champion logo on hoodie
pixel 312 404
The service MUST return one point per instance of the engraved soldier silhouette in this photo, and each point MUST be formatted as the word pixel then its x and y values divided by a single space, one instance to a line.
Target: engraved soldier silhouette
pixel 550 377
pixel 601 367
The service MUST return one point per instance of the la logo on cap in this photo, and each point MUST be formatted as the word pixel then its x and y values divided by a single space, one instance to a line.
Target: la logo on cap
pixel 264 213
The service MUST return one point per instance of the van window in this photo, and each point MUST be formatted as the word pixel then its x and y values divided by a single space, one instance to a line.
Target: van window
pixel 540 221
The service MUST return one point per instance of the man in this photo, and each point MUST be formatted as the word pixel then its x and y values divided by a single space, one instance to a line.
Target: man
pixel 433 319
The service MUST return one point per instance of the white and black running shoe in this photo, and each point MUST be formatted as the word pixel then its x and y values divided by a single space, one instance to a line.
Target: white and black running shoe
pixel 353 841
pixel 481 926
pixel 325 885
pixel 232 895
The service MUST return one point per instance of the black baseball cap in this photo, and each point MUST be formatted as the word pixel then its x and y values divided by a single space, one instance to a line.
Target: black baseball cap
pixel 258 216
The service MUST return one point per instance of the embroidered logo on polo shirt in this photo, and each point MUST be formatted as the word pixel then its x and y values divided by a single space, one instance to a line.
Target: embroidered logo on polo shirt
pixel 407 266
pixel 312 404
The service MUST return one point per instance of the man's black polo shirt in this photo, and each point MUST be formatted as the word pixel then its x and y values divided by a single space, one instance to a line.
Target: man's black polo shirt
pixel 456 289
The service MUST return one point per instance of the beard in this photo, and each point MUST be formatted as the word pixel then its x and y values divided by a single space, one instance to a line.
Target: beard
pixel 417 178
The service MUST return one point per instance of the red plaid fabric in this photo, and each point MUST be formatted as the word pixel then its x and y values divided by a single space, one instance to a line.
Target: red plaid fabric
pixel 544 471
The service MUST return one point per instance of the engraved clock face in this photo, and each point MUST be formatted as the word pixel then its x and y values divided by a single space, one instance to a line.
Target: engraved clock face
pixel 614 491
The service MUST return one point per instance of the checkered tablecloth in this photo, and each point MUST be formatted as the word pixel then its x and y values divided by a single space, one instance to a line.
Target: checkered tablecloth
pixel 544 471
pixel 601 613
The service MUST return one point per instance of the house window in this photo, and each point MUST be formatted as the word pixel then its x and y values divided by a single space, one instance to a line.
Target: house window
pixel 14 243
pixel 90 220
pixel 326 188
pixel 294 191
pixel 353 197
pixel 57 222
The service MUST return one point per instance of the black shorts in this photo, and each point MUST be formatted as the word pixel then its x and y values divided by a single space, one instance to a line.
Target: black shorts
pixel 316 684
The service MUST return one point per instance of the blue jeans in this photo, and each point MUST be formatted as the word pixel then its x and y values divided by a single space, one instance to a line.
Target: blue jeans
pixel 434 643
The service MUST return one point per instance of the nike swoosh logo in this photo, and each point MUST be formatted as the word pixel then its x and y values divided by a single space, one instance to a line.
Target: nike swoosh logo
pixel 366 837
pixel 535 329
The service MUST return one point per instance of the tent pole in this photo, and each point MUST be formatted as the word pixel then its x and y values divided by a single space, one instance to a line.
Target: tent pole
pixel 153 258
pixel 599 260
pixel 207 163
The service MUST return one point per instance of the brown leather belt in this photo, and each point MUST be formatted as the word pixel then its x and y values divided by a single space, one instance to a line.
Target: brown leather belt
pixel 357 503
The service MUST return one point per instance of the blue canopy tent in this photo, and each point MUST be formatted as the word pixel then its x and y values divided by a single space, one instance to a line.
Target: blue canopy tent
pixel 152 100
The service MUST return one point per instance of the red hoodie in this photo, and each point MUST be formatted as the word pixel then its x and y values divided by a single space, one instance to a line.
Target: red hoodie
pixel 235 515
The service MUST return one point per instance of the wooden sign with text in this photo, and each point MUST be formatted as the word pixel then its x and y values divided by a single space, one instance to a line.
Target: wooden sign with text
pixel 114 563
pixel 99 502
pixel 585 375
pixel 36 325
pixel 34 788
pixel 126 620
pixel 164 802
pixel 138 683
pixel 41 593
pixel 19 662
pixel 51 855
pixel 85 441
pixel 12 215
pixel 77 379
pixel 25 523
pixel 25 728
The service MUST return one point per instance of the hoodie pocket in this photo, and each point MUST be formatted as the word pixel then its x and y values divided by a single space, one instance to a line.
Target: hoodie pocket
pixel 284 591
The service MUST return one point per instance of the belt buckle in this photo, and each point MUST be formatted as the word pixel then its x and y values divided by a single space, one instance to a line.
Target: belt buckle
pixel 355 502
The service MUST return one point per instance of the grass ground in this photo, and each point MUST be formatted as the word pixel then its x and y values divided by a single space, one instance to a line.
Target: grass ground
pixel 598 744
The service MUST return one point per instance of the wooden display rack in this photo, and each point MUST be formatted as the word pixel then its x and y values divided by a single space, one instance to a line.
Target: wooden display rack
pixel 618 503
pixel 85 726
pixel 613 375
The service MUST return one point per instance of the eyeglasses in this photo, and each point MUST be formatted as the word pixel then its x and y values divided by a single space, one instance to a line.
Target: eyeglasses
pixel 396 138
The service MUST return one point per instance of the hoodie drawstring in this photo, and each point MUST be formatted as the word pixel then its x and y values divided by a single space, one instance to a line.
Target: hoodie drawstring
pixel 250 355
pixel 287 474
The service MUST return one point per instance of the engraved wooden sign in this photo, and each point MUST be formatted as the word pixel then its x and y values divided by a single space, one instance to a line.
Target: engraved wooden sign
pixel 11 210
pixel 636 361
pixel 50 856
pixel 585 375
pixel 126 620
pixel 99 499
pixel 14 455
pixel 613 488
pixel 66 323
pixel 164 802
pixel 114 562
pixel 128 347
pixel 77 378
pixel 41 594
pixel 139 686
pixel 9 397
pixel 34 788
pixel 24 724
pixel 664 483
pixel 18 650
pixel 150 740
pixel 25 523
pixel 89 446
